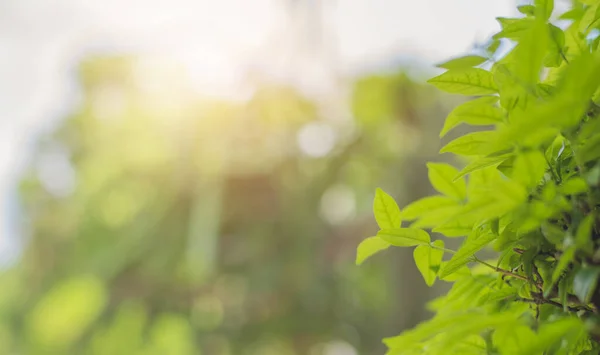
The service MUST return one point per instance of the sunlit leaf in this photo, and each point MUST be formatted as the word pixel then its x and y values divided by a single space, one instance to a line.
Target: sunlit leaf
pixel 529 168
pixel 466 252
pixel 428 260
pixel 441 176
pixel 464 62
pixel 472 81
pixel 404 237
pixel 481 111
pixel 426 205
pixel 369 247
pixel 475 143
pixel 386 210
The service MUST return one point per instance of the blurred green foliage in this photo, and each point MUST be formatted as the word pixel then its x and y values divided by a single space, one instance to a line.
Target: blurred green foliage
pixel 160 222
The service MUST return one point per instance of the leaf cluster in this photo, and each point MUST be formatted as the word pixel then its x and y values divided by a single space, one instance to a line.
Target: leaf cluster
pixel 529 196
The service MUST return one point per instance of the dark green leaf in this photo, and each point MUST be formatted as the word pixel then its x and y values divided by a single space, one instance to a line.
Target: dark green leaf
pixel 585 282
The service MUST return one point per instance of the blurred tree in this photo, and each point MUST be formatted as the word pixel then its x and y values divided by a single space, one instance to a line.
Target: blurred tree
pixel 162 223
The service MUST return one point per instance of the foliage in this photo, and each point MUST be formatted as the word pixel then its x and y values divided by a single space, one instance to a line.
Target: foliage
pixel 525 278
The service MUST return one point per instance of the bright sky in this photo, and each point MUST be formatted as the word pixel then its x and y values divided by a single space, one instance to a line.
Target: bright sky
pixel 42 41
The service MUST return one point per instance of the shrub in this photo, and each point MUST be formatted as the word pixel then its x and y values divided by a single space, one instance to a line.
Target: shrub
pixel 529 193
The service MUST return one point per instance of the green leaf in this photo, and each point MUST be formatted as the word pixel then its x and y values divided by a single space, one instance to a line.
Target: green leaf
pixel 426 205
pixel 551 333
pixel 529 168
pixel 454 228
pixel 475 143
pixel 584 231
pixel 590 19
pixel 565 259
pixel 369 247
pixel 585 282
pixel 510 340
pixel 386 210
pixel 481 111
pixel 482 163
pixel 544 8
pixel 472 81
pixel 467 61
pixel 428 260
pixel 590 150
pixel 526 9
pixel 404 237
pixel 556 46
pixel 513 28
pixel 441 176
pixel 465 254
pixel 530 52
pixel 574 186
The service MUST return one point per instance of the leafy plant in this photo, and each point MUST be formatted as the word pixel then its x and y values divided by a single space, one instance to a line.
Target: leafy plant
pixel 525 279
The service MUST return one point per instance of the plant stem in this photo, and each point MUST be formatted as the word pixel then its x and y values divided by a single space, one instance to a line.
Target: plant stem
pixel 502 271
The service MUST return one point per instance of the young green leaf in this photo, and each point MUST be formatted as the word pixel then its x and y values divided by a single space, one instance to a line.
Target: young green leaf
pixel 481 111
pixel 544 8
pixel 482 163
pixel 574 186
pixel 590 19
pixel 428 260
pixel 465 254
pixel 427 205
pixel 369 247
pixel 467 61
pixel 529 168
pixel 386 210
pixel 404 237
pixel 526 9
pixel 441 176
pixel 513 28
pixel 475 143
pixel 471 81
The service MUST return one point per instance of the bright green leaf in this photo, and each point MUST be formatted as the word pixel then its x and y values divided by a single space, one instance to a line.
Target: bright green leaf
pixel 481 111
pixel 475 143
pixel 441 176
pixel 369 247
pixel 465 254
pixel 426 205
pixel 386 210
pixel 544 8
pixel 590 19
pixel 404 237
pixel 464 62
pixel 526 9
pixel 529 168
pixel 472 81
pixel 428 260
pixel 482 163
pixel 574 186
